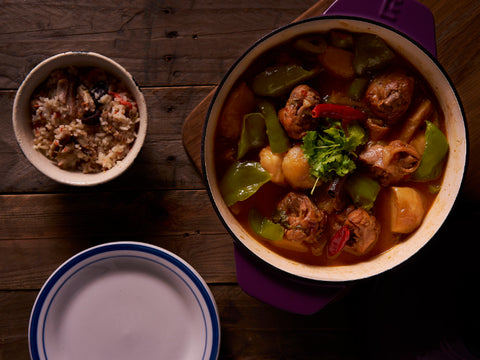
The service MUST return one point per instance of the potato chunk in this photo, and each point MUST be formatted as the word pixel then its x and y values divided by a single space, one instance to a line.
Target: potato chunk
pixel 273 164
pixel 296 169
pixel 407 209
pixel 338 61
pixel 241 101
pixel 290 168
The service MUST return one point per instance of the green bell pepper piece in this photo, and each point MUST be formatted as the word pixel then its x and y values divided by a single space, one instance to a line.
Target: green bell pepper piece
pixel 277 137
pixel 253 134
pixel 265 227
pixel 242 180
pixel 370 53
pixel 436 148
pixel 357 88
pixel 278 80
pixel 363 190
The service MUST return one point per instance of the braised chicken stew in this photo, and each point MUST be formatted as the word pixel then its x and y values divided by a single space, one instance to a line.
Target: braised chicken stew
pixel 330 149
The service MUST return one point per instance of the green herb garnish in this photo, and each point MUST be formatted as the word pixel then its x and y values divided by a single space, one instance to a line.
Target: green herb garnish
pixel 330 151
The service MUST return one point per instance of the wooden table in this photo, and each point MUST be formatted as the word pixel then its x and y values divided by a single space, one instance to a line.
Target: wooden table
pixel 178 51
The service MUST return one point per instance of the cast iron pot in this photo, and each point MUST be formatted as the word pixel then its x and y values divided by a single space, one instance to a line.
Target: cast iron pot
pixel 408 28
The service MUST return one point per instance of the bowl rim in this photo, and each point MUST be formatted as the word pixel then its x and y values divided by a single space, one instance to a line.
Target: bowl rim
pixel 35 77
pixel 268 264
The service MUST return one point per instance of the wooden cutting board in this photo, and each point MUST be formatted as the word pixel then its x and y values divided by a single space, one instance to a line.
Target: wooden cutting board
pixel 193 126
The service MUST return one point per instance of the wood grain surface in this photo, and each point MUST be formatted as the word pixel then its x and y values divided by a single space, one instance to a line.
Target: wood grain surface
pixel 178 51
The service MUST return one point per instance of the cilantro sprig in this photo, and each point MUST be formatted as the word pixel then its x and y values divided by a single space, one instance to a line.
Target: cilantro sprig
pixel 330 152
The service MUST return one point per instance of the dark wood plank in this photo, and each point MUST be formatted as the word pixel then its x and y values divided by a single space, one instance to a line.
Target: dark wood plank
pixel 160 43
pixel 162 163
pixel 44 230
pixel 457 34
pixel 15 307
pixel 211 255
pixel 368 324
pixel 249 328
pixel 193 127
pixel 138 214
pixel 253 330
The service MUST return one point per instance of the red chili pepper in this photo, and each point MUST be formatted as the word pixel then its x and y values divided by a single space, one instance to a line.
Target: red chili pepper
pixel 338 241
pixel 120 99
pixel 337 111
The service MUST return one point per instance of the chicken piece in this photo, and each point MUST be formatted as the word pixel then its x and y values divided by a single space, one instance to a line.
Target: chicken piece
pixel 406 209
pixel 302 220
pixel 390 163
pixel 68 160
pixel 62 90
pixel 376 129
pixel 71 102
pixel 63 136
pixel 273 164
pixel 88 104
pixel 364 231
pixel 332 197
pixel 389 95
pixel 296 169
pixel 296 116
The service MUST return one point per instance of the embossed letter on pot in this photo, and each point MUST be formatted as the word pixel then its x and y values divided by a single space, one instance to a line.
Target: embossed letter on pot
pixel 335 147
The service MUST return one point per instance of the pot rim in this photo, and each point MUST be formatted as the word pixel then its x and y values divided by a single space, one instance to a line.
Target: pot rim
pixel 267 264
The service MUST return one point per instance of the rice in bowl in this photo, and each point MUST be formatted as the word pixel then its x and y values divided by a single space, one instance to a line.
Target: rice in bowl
pixel 84 119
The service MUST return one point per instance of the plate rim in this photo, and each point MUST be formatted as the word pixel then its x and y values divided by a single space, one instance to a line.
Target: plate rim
pixel 185 268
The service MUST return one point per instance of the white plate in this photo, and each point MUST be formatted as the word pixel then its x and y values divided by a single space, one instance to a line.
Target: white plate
pixel 124 300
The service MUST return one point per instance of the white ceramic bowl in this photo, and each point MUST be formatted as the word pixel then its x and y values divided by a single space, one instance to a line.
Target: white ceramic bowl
pixel 22 122
pixel 455 128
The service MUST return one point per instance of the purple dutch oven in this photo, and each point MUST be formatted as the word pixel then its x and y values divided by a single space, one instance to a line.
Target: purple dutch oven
pixel 408 27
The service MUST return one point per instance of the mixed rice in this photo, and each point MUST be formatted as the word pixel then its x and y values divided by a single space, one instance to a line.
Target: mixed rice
pixel 84 119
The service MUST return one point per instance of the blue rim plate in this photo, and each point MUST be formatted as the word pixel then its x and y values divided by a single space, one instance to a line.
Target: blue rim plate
pixel 124 300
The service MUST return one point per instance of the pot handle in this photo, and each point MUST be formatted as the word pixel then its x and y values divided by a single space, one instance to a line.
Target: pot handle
pixel 285 293
pixel 407 16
